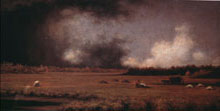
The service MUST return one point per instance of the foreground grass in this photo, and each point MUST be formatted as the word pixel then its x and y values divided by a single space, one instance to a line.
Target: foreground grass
pixel 158 104
pixel 85 92
pixel 81 101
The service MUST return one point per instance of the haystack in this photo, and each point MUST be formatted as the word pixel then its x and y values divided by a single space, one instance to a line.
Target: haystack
pixel 189 86
pixel 200 85
pixel 209 88
pixel 36 83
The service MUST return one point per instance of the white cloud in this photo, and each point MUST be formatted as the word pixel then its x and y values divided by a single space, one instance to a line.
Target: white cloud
pixel 198 56
pixel 216 61
pixel 72 56
pixel 131 62
pixel 171 53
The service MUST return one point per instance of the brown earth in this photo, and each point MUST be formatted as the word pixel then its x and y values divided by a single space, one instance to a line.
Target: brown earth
pixel 62 90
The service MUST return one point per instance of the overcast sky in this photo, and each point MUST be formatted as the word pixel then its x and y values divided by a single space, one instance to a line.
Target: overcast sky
pixel 110 33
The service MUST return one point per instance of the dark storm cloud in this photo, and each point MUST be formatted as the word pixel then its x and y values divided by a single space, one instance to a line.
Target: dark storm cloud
pixel 99 8
pixel 105 54
pixel 24 41
pixel 18 35
pixel 54 32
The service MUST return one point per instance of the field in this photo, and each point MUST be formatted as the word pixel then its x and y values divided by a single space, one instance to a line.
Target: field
pixel 90 91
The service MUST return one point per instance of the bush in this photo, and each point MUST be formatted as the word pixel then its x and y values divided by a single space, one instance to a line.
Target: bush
pixel 189 70
pixel 206 74
pixel 18 68
pixel 176 80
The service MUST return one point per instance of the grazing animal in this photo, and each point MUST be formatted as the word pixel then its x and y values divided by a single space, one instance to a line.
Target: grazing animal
pixel 141 84
pixel 189 86
pixel 36 83
pixel 200 85
pixel 209 88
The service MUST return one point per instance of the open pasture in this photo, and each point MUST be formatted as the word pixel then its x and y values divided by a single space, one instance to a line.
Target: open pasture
pixel 87 91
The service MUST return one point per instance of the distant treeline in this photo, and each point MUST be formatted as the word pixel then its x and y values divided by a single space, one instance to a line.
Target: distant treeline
pixel 19 68
pixel 189 70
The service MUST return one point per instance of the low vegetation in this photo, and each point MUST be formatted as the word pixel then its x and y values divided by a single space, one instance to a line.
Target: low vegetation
pixel 87 102
pixel 18 68
pixel 208 71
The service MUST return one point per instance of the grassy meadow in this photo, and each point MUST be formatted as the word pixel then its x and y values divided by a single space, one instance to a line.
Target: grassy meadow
pixel 98 91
